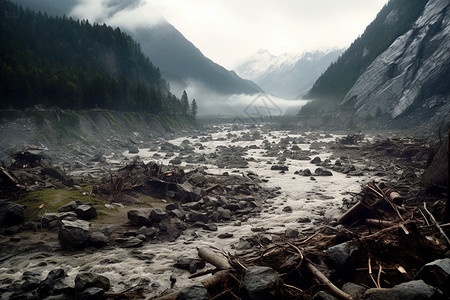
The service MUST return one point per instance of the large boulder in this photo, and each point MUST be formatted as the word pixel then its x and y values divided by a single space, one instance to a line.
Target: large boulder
pixel 157 215
pixel 437 174
pixel 86 212
pixel 53 278
pixel 11 213
pixel 138 218
pixel 261 283
pixel 74 234
pixel 343 255
pixel 88 280
pixel 412 290
pixel 437 273
pixel 196 292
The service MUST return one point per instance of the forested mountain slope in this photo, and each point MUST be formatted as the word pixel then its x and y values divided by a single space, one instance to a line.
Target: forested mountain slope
pixel 395 18
pixel 57 61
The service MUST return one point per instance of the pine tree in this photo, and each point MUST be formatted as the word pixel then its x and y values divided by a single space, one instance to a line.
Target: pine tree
pixel 194 108
pixel 184 104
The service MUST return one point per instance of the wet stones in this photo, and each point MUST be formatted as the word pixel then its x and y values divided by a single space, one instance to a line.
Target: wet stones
pixel 197 292
pixel 138 217
pixel 86 212
pixel 88 280
pixel 322 172
pixel 316 160
pixel 74 234
pixel 157 215
pixel 52 281
pixel 11 213
pixel 343 255
pixel 279 168
pixel 190 264
pixel 261 283
pixel 416 289
pixel 437 273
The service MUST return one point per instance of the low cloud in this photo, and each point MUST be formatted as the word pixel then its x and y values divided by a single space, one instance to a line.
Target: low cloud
pixel 255 106
pixel 128 15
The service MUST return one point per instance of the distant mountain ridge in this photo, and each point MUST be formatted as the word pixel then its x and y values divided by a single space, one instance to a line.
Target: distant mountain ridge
pixel 394 19
pixel 177 56
pixel 287 76
pixel 178 59
pixel 406 85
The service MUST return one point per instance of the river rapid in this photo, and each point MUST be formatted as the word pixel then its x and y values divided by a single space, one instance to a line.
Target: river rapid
pixel 303 203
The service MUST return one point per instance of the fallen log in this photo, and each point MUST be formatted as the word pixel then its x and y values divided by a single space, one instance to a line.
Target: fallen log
pixel 214 258
pixel 355 213
pixel 334 289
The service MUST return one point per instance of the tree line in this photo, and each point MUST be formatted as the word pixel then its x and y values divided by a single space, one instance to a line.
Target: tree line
pixel 58 61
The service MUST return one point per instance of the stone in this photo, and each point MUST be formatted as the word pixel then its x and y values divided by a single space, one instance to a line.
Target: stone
pixel 138 218
pixel 306 172
pixel 210 227
pixel 316 160
pixel 197 179
pixel 74 234
pixel 172 206
pixel 175 161
pixel 131 242
pixel 354 290
pixel 190 264
pixel 287 209
pixel 98 239
pixel 303 220
pixel 410 290
pixel 291 233
pixel 343 255
pixel 279 168
pixel 196 216
pixel 71 206
pixel 149 232
pixel 196 292
pixel 11 213
pixel 45 287
pixel 322 172
pixel 224 213
pixel 436 273
pixel 91 293
pixel 133 150
pixel 157 215
pixel 322 295
pixel 87 280
pixel 86 212
pixel 225 235
pixel 261 283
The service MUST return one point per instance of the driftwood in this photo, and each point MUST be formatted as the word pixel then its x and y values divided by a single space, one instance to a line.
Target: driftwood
pixel 436 223
pixel 214 258
pixel 356 212
pixel 334 289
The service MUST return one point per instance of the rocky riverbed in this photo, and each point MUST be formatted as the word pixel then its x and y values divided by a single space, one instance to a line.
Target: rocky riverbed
pixel 128 223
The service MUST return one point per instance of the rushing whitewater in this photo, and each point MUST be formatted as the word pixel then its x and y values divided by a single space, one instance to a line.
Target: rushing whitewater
pixel 316 200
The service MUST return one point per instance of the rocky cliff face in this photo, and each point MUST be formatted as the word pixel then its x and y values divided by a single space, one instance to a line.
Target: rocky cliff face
pixel 412 77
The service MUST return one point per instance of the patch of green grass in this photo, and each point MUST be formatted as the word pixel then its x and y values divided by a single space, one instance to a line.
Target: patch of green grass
pixel 50 200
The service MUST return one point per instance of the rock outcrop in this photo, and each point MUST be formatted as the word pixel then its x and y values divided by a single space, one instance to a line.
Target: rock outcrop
pixel 412 76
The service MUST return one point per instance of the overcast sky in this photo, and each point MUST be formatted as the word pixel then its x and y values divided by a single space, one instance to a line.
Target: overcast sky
pixel 229 31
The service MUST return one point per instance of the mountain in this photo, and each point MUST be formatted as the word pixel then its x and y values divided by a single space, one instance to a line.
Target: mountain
pixel 287 76
pixel 178 59
pixel 413 74
pixel 394 19
pixel 57 61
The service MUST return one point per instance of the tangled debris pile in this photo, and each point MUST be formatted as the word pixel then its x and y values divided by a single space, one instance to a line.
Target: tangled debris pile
pixel 30 171
pixel 388 247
